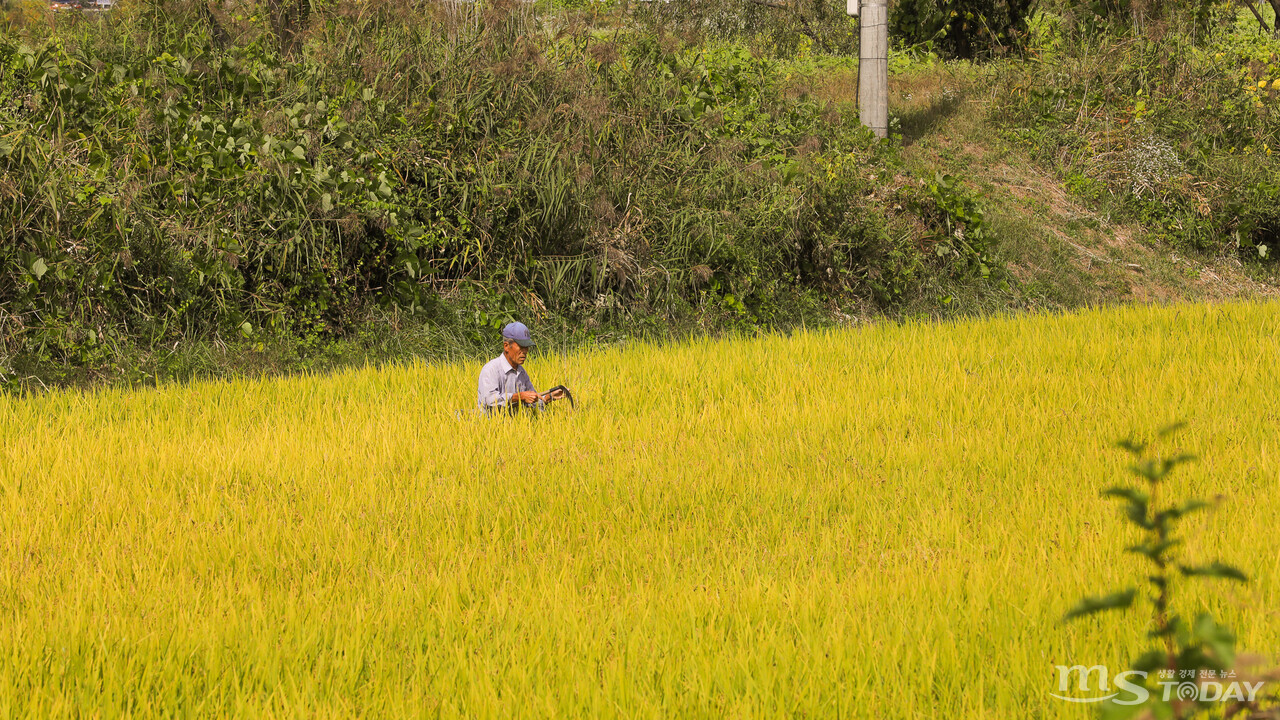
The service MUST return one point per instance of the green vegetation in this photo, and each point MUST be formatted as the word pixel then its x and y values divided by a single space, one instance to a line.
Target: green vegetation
pixel 195 189
pixel 790 519
pixel 165 185
pixel 1200 649
pixel 1176 131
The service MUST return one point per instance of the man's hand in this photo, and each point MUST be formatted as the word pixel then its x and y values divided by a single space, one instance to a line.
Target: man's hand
pixel 528 397
pixel 553 395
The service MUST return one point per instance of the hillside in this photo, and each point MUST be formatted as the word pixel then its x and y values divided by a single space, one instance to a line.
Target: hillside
pixel 1063 250
pixel 193 193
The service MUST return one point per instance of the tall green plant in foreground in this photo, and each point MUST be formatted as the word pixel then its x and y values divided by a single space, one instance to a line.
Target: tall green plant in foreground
pixel 1187 652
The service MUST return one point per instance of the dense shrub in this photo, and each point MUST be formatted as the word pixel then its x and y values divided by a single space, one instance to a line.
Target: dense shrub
pixel 161 184
pixel 966 29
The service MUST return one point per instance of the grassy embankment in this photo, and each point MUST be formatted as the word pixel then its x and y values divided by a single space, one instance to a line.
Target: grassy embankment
pixel 1113 166
pixel 877 522
pixel 175 191
pixel 187 203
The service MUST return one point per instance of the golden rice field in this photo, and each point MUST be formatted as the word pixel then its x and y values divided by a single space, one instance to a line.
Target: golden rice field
pixel 880 522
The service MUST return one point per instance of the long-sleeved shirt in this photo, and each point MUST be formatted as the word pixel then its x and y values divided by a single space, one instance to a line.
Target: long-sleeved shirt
pixel 499 381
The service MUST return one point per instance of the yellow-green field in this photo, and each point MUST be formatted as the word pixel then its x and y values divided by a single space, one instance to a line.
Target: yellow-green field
pixel 884 522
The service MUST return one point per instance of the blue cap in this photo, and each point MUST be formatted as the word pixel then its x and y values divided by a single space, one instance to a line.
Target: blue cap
pixel 519 333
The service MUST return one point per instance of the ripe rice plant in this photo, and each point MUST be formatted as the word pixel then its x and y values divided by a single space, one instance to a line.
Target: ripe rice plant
pixel 886 521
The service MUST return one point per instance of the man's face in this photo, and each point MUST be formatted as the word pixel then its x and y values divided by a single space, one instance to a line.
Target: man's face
pixel 515 354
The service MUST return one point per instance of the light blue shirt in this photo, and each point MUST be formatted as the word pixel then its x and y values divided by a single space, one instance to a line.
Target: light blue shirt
pixel 499 381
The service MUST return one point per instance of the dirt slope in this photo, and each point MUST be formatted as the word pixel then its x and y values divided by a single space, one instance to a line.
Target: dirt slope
pixel 1061 253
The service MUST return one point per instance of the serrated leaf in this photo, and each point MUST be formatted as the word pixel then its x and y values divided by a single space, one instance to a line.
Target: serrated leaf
pixel 1093 605
pixel 1214 569
pixel 1136 504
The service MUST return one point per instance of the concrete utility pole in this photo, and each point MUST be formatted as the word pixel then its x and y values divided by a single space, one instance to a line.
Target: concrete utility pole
pixel 873 64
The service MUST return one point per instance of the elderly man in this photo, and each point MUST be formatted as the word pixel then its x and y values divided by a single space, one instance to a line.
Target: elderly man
pixel 503 381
